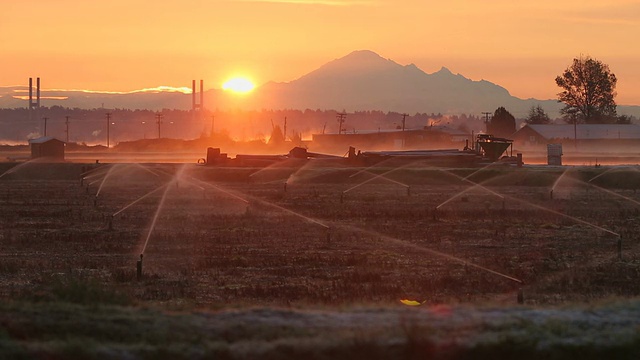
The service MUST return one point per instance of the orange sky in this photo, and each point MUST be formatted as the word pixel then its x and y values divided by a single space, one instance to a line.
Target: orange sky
pixel 123 45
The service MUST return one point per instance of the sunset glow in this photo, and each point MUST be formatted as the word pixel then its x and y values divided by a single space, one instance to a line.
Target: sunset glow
pixel 127 45
pixel 238 85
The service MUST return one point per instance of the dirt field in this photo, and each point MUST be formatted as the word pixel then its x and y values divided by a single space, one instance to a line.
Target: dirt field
pixel 220 237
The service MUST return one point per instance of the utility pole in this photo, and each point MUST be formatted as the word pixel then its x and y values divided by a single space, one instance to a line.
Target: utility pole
pixel 108 125
pixel 284 132
pixel 341 117
pixel 159 117
pixel 45 125
pixel 404 120
pixel 66 122
pixel 486 120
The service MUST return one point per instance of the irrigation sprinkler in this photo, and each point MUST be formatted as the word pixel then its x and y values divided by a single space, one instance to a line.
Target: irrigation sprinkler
pixel 620 248
pixel 551 194
pixel 139 268
pixel 95 201
pixel 520 296
pixel 285 187
pixel 110 223
pixel 435 214
pixel 341 197
pixel 408 190
pixel 328 236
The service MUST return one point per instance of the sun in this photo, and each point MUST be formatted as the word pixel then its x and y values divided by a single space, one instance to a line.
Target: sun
pixel 238 85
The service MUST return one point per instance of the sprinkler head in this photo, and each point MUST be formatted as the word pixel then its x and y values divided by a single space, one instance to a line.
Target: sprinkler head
pixel 141 255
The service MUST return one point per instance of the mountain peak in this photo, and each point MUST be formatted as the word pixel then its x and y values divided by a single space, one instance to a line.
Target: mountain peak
pixel 355 64
pixel 365 58
pixel 444 71
pixel 363 55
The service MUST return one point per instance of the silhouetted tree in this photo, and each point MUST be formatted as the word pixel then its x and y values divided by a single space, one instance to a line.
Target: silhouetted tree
pixel 277 137
pixel 537 115
pixel 502 124
pixel 588 91
pixel 624 119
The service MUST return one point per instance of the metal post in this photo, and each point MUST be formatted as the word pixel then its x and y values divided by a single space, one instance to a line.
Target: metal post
pixel 139 268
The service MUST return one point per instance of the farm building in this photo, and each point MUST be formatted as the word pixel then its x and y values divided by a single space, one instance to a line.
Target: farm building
pixel 610 136
pixel 47 147
pixel 427 138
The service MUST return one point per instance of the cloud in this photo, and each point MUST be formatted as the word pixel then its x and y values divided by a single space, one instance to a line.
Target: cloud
pixel 318 2
pixel 158 89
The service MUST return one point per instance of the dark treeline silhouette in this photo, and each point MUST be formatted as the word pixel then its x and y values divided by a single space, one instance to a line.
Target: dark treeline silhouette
pixel 90 126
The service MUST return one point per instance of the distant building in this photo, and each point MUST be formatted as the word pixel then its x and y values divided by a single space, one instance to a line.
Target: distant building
pixel 47 147
pixel 597 136
pixel 427 138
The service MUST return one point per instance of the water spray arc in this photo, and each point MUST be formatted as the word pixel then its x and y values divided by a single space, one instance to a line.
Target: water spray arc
pixel 383 176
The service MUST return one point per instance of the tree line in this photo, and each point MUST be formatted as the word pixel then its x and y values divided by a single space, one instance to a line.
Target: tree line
pixel 587 91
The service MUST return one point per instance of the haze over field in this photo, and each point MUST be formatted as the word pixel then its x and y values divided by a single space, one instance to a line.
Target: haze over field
pixel 129 45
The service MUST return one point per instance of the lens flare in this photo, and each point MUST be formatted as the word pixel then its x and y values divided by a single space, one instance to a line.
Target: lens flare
pixel 238 85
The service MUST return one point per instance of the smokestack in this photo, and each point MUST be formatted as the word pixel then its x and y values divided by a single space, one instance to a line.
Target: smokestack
pixel 193 95
pixel 201 95
pixel 30 92
pixel 38 94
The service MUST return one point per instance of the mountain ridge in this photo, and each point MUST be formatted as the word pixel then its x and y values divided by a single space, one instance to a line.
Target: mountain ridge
pixel 359 81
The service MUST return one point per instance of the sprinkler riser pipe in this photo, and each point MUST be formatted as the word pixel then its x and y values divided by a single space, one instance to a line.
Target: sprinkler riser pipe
pixel 139 270
pixel 619 248
pixel 520 296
